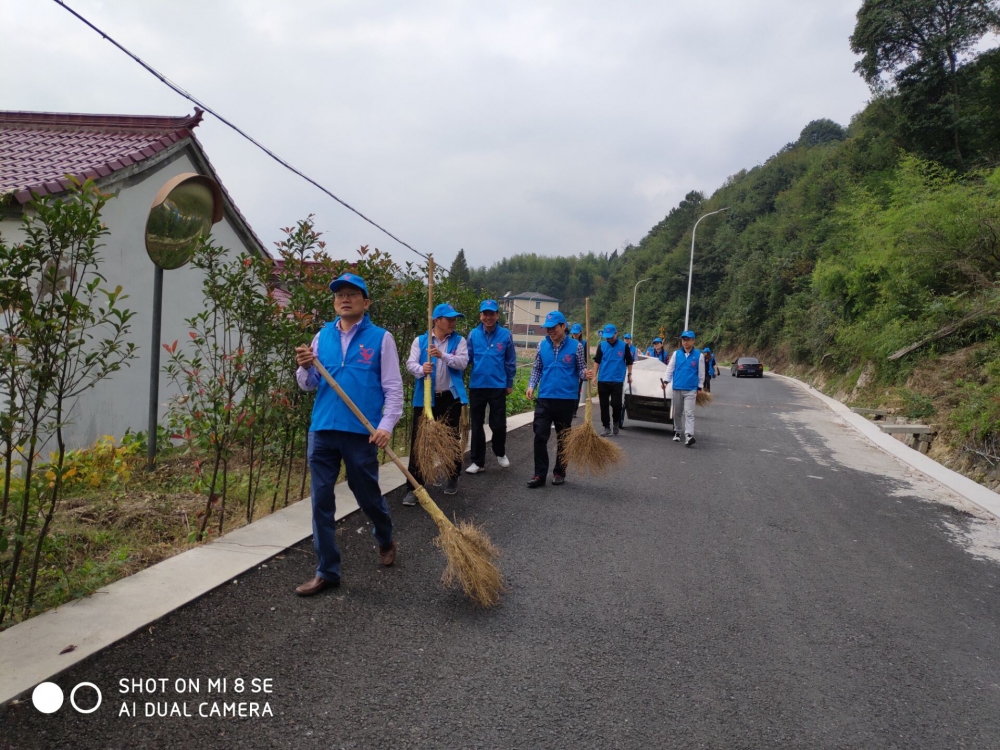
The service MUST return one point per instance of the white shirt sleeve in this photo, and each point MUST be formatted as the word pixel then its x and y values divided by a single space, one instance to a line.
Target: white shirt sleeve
pixel 413 364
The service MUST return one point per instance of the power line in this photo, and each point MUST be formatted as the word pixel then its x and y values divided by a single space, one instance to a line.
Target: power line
pixel 177 89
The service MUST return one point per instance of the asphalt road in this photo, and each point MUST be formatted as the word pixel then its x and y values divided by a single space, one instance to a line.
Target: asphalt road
pixel 781 584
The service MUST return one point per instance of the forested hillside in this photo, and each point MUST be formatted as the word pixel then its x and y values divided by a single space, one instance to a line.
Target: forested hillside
pixel 848 245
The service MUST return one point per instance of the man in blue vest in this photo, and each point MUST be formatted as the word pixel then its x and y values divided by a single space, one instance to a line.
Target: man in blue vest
pixel 363 359
pixel 493 365
pixel 576 332
pixel 686 373
pixel 451 355
pixel 631 347
pixel 613 363
pixel 657 351
pixel 711 368
pixel 559 367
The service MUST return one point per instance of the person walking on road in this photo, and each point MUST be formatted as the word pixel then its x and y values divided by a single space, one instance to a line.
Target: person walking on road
pixel 657 351
pixel 612 363
pixel 493 365
pixel 711 368
pixel 686 373
pixel 631 347
pixel 576 332
pixel 451 355
pixel 559 367
pixel 363 359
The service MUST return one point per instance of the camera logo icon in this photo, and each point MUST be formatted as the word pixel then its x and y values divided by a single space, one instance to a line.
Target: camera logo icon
pixel 48 697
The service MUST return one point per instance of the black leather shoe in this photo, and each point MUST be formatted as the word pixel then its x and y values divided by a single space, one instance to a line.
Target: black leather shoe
pixel 556 479
pixel 536 482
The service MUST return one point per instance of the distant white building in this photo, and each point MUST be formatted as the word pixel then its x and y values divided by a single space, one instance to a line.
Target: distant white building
pixel 525 314
pixel 131 157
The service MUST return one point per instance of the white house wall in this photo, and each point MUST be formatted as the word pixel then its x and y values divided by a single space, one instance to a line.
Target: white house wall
pixel 122 401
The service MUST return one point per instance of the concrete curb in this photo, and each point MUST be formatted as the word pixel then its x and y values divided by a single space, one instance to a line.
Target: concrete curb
pixel 972 491
pixel 29 651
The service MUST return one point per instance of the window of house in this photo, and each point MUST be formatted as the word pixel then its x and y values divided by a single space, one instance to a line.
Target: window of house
pixel 538 305
pixel 536 318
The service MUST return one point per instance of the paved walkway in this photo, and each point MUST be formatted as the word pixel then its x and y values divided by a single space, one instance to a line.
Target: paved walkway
pixel 782 584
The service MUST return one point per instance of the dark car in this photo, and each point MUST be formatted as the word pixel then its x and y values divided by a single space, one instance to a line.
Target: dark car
pixel 747 366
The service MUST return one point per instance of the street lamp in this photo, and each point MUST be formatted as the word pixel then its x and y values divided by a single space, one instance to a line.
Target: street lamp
pixel 631 328
pixel 687 309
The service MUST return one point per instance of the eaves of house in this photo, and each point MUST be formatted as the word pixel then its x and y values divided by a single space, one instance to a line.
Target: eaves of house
pixel 39 151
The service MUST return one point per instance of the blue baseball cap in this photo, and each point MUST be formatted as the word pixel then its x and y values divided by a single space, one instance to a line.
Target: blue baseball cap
pixel 576 328
pixel 627 336
pixel 706 349
pixel 608 331
pixel 489 305
pixel 349 279
pixel 688 335
pixel 445 310
pixel 553 319
pixel 657 340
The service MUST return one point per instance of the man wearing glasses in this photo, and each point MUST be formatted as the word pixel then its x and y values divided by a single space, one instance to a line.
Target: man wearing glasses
pixel 363 359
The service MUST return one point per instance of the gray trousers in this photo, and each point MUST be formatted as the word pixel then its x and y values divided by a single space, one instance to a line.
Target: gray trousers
pixel 683 403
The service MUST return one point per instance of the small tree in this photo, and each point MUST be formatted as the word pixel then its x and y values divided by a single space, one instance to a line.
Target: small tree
pixel 62 338
pixel 460 268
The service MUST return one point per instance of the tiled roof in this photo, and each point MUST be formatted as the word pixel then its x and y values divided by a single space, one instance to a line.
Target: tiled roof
pixel 38 149
pixel 533 296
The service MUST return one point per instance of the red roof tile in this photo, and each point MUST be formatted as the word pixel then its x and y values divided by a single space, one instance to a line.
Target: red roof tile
pixel 38 149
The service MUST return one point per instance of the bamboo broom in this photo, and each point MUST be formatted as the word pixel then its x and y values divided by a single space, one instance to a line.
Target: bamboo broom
pixel 438 447
pixel 470 554
pixel 583 447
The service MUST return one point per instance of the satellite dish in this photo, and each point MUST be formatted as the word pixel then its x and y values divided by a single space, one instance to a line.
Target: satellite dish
pixel 180 218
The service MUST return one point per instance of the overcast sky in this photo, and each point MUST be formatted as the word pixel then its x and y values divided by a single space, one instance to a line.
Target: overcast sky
pixel 554 128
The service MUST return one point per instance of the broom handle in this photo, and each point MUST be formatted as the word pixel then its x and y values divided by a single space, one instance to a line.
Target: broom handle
pixel 364 420
pixel 588 409
pixel 428 413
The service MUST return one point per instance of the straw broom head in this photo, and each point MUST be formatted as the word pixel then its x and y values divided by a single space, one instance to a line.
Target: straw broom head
pixel 437 449
pixel 470 553
pixel 704 398
pixel 587 450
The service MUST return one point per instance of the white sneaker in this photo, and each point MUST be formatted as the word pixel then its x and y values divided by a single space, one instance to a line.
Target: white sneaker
pixel 503 461
pixel 473 469
pixel 677 437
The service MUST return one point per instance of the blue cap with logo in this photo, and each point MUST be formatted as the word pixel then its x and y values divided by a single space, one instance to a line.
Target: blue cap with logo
pixel 688 335
pixel 445 310
pixel 553 319
pixel 706 349
pixel 489 305
pixel 576 328
pixel 657 340
pixel 349 279
pixel 608 331
pixel 627 336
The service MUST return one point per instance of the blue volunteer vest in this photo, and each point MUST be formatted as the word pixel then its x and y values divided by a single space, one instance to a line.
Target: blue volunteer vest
pixel 560 376
pixel 456 375
pixel 710 368
pixel 663 356
pixel 489 367
pixel 686 370
pixel 359 373
pixel 612 369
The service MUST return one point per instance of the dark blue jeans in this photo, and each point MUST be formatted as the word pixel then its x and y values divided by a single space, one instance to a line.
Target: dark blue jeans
pixel 327 448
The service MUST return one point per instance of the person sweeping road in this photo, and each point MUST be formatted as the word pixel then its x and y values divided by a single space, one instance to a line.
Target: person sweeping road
pixel 366 364
pixel 559 367
pixel 450 354
pixel 492 365
pixel 711 368
pixel 576 332
pixel 613 363
pixel 686 374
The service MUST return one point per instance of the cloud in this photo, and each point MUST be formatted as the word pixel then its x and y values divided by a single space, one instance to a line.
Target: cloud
pixel 556 128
